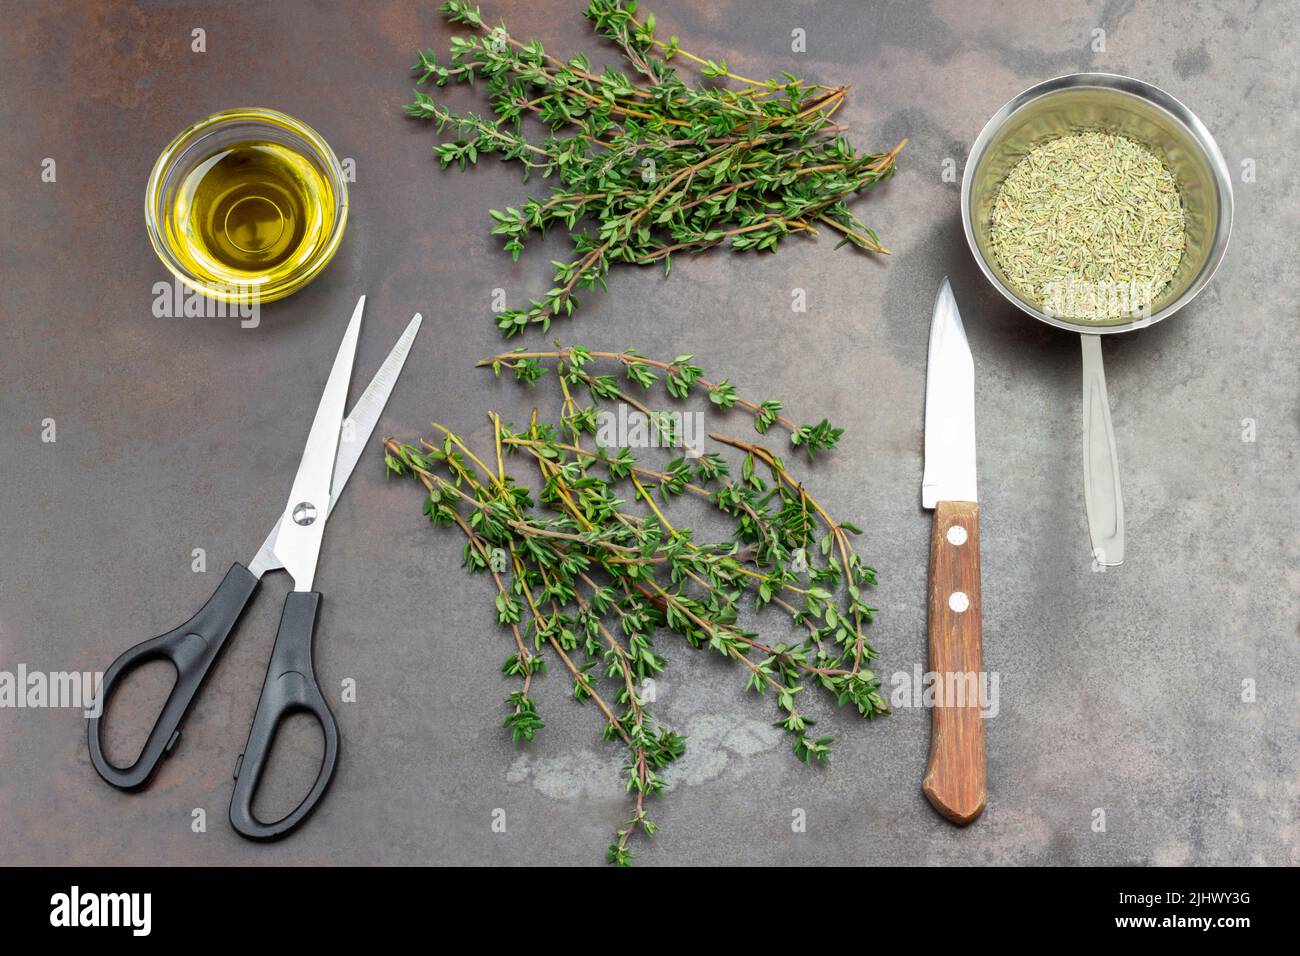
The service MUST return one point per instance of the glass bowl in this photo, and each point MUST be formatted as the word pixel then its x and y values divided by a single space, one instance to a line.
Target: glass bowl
pixel 200 142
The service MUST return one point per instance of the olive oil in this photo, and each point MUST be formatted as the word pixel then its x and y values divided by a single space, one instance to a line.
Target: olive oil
pixel 252 214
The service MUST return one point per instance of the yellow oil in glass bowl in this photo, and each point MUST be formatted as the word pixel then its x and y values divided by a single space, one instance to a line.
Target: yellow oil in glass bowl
pixel 246 204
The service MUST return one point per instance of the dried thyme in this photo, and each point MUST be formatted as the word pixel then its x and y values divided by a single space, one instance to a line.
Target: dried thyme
pixel 1089 225
pixel 583 580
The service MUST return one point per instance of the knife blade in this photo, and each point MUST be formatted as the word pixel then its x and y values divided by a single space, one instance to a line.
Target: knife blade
pixel 955 779
pixel 949 407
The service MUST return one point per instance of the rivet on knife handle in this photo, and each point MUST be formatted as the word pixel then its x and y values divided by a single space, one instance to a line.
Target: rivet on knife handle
pixel 955 780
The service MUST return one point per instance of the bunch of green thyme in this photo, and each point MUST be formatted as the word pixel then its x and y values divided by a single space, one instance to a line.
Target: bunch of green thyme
pixel 584 578
pixel 655 165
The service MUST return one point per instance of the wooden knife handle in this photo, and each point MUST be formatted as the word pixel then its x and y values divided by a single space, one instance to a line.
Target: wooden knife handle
pixel 955 781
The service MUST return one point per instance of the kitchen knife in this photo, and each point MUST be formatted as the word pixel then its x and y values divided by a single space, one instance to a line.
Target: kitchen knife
pixel 955 779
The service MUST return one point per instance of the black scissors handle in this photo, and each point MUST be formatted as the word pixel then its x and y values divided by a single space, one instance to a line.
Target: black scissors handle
pixel 290 688
pixel 191 648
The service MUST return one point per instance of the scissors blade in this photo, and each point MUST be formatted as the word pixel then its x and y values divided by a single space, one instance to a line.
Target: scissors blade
pixel 302 524
pixel 361 421
pixel 363 418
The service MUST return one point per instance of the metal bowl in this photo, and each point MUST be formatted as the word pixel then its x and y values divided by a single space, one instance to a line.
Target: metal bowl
pixel 1145 114
pixel 1140 111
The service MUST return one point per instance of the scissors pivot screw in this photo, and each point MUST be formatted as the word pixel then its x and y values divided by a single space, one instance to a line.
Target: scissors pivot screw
pixel 304 513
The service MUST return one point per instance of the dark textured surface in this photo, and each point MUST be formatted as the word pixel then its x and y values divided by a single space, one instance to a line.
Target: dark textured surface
pixel 1120 691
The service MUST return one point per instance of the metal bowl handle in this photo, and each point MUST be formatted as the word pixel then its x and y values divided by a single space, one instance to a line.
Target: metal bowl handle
pixel 1101 491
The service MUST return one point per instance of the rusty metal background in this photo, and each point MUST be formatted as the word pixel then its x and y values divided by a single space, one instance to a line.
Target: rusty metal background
pixel 1120 691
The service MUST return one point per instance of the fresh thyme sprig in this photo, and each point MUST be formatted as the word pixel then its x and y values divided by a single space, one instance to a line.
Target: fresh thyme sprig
pixel 657 166
pixel 584 578
pixel 681 378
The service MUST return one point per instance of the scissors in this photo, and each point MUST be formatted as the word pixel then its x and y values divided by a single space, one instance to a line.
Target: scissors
pixel 333 448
